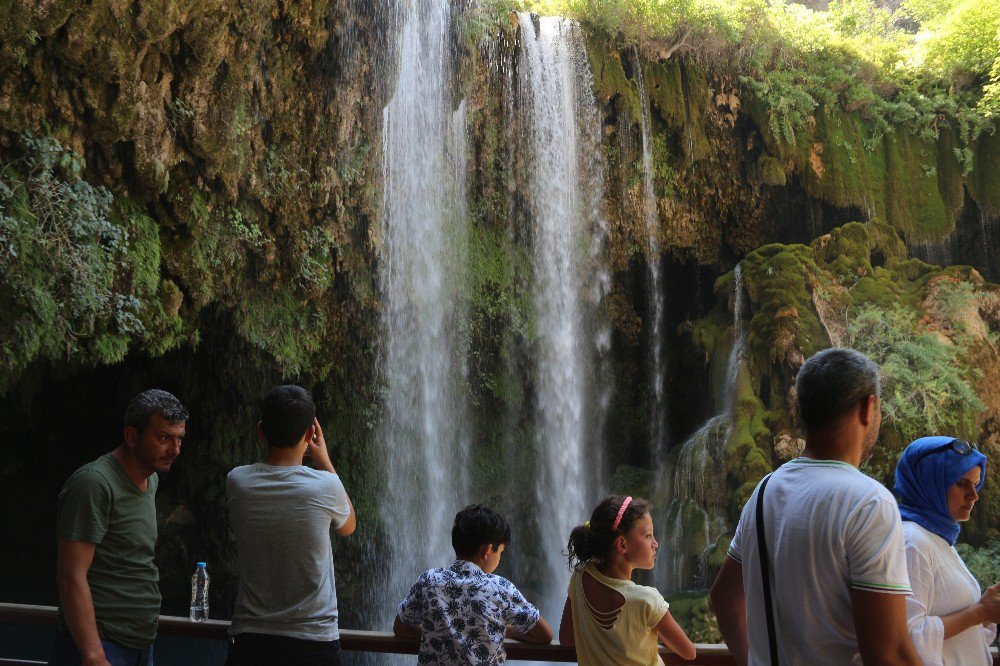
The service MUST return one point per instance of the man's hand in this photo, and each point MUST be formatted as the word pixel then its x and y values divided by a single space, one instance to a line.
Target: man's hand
pixel 317 450
pixel 95 660
pixel 75 558
pixel 321 459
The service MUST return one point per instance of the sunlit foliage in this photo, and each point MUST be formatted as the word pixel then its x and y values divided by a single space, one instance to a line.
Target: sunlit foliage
pixel 925 389
pixel 919 64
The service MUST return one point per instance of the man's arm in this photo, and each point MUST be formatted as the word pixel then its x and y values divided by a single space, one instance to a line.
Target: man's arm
pixel 75 558
pixel 540 633
pixel 321 458
pixel 880 624
pixel 350 524
pixel 729 603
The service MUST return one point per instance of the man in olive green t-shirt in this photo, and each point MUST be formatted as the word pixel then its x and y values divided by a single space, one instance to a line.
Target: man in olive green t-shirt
pixel 106 524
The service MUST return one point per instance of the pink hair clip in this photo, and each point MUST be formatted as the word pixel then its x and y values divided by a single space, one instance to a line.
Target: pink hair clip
pixel 621 512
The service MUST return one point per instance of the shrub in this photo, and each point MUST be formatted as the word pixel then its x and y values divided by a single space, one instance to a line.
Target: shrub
pixel 62 260
pixel 924 388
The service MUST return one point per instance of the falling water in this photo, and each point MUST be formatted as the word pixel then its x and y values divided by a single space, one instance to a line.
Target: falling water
pixel 695 517
pixel 656 302
pixel 564 184
pixel 738 350
pixel 423 227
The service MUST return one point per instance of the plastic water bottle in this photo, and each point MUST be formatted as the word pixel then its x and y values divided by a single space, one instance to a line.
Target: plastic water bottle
pixel 199 594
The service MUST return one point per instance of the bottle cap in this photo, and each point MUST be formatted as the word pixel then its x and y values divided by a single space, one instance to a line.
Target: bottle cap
pixel 201 565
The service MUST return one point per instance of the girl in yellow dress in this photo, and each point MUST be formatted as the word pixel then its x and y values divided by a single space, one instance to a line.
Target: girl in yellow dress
pixel 610 619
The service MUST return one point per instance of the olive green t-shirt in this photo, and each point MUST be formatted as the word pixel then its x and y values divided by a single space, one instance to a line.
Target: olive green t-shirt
pixel 100 504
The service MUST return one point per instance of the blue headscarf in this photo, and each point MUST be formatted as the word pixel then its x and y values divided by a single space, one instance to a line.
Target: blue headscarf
pixel 922 485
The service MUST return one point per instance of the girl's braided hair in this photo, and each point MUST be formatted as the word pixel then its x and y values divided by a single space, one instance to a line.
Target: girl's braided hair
pixel 591 542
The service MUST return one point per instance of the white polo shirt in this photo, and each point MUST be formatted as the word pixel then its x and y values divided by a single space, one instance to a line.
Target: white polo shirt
pixel 829 528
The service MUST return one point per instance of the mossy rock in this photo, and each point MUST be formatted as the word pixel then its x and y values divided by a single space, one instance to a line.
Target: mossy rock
pixel 610 80
pixel 984 181
pixel 665 89
pixel 949 172
pixel 771 171
pixel 779 279
pixel 841 162
pixel 913 202
pixel 695 141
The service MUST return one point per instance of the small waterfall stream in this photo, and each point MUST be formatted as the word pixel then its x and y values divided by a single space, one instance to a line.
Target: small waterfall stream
pixel 658 408
pixel 565 186
pixel 695 514
pixel 423 228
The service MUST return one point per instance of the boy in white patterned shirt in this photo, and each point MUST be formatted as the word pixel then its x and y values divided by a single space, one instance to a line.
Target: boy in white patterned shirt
pixel 463 612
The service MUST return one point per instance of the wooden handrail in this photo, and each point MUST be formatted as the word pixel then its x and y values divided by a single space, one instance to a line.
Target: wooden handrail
pixel 357 640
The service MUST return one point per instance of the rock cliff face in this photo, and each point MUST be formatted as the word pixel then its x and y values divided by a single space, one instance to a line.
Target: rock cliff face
pixel 190 198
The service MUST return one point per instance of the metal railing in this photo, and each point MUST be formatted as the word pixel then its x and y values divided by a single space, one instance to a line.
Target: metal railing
pixel 357 640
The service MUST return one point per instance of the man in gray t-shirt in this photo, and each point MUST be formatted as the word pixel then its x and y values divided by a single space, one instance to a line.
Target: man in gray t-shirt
pixel 281 514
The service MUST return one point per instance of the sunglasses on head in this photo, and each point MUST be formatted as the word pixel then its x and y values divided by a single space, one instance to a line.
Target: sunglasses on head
pixel 959 446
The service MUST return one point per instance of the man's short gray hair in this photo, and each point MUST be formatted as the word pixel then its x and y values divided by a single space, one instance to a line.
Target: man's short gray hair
pixel 154 401
pixel 831 383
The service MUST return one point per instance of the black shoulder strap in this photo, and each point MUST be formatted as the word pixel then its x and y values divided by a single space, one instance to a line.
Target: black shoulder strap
pixel 772 638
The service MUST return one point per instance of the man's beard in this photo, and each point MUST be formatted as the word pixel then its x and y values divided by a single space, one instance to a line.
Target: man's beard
pixel 868 450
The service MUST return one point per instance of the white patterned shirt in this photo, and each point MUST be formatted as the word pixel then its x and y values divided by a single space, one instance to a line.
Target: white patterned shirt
pixel 463 614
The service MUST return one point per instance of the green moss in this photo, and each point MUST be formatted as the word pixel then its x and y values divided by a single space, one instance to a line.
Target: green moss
pixel 282 324
pixel 984 181
pixel 770 171
pixel 610 81
pixel 692 611
pixel 842 161
pixel 629 480
pixel 778 280
pixel 500 310
pixel 949 172
pixel 877 292
pixel 748 448
pixel 665 89
pixel 913 202
pixel 163 325
pixel 697 95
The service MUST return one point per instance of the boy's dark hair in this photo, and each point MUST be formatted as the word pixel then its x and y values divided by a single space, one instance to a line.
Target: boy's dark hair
pixel 154 401
pixel 477 526
pixel 831 383
pixel 285 414
pixel 592 541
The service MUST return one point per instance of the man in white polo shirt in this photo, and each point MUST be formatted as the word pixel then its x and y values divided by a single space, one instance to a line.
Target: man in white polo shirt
pixel 836 558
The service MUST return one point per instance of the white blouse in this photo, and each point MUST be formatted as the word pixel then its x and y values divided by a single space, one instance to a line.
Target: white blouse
pixel 942 585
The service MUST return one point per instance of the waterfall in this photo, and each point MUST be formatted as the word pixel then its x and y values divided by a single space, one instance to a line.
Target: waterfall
pixel 565 186
pixel 421 273
pixel 738 350
pixel 696 509
pixel 658 419
pixel 696 514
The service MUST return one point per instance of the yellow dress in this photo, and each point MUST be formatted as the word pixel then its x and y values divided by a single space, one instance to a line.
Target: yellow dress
pixel 625 637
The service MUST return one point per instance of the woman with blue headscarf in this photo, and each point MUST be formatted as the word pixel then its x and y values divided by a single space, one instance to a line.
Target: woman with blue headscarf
pixel 950 621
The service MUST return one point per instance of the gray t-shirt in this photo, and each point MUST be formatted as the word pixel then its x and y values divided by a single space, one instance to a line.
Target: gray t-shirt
pixel 281 519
